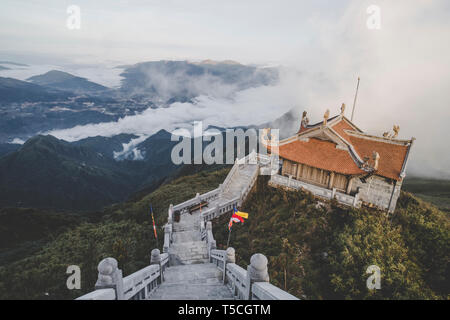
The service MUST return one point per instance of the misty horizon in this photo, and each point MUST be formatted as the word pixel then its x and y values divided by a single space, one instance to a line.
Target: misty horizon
pixel 319 49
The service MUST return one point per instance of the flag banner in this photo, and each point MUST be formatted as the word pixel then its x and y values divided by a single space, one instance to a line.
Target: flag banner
pixel 154 226
pixel 242 214
pixel 237 217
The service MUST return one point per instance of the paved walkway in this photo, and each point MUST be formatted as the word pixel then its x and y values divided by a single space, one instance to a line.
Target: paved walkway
pixel 193 282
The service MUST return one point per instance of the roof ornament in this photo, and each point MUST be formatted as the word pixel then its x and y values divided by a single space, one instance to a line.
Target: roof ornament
pixel 266 137
pixel 365 165
pixel 326 116
pixel 304 122
pixel 394 135
pixel 305 119
pixel 376 159
pixel 396 130
pixel 343 109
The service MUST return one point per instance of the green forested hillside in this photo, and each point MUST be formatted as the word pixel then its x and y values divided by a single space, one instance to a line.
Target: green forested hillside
pixel 125 233
pixel 24 231
pixel 322 252
pixel 314 251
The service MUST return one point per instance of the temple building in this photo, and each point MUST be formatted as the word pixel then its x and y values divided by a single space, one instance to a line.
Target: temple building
pixel 336 155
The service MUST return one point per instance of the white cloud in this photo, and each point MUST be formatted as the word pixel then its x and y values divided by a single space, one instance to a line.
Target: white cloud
pixel 255 105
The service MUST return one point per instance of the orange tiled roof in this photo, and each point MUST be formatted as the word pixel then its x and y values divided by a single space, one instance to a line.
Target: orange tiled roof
pixel 320 154
pixel 324 155
pixel 392 156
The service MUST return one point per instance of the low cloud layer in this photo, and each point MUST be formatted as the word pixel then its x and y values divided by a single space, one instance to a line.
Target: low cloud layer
pixel 250 106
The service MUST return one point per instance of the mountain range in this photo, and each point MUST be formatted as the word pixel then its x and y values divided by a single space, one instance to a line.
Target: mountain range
pixel 60 100
pixel 65 81
pixel 50 173
pixel 13 90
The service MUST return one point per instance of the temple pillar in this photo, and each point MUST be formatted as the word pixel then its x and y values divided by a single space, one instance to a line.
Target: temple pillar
pixel 349 185
pixel 330 183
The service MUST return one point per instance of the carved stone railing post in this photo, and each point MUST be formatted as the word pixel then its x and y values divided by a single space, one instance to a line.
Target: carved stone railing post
pixel 229 258
pixel 155 258
pixel 356 199
pixel 217 211
pixel 170 214
pixel 202 225
pixel 256 272
pixel 167 237
pixel 110 276
pixel 210 239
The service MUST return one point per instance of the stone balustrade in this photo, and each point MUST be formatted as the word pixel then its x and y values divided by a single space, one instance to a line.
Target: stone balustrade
pixel 230 174
pixel 209 196
pixel 343 198
pixel 211 243
pixel 248 187
pixel 139 285
pixel 218 210
pixel 250 284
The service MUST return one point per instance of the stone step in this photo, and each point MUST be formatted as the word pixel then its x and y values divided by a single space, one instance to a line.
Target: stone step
pixel 186 236
pixel 192 292
pixel 188 252
pixel 192 282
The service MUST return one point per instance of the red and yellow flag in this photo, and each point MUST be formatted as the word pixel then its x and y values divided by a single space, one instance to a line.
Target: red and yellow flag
pixel 237 217
pixel 154 225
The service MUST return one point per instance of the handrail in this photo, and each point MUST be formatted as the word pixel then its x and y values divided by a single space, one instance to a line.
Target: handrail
pixel 236 278
pixel 250 284
pixel 99 294
pixel 229 176
pixel 217 211
pixel 267 291
pixel 135 283
pixel 136 286
pixel 201 197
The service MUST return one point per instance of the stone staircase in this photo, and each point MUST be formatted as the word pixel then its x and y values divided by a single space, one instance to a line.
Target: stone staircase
pixel 242 176
pixel 192 282
pixel 191 275
pixel 187 246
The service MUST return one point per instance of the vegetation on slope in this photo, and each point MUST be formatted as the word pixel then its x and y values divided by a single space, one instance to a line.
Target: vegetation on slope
pixel 125 233
pixel 24 231
pixel 323 251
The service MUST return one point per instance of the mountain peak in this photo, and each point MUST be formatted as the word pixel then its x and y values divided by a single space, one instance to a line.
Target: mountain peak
pixel 65 81
pixel 53 76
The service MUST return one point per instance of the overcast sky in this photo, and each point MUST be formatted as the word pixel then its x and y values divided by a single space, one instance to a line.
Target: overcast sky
pixel 325 45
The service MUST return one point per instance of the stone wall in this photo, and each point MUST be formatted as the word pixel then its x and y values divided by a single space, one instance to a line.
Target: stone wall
pixel 377 191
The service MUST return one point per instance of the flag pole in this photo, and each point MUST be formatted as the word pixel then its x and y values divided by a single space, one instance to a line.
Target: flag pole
pixel 228 242
pixel 354 102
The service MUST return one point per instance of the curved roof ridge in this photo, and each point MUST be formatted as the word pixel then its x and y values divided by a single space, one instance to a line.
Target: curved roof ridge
pixel 364 135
